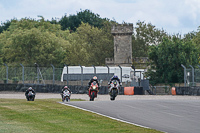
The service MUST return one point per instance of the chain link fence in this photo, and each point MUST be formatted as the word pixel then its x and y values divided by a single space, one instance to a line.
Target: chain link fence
pixel 191 76
pixel 30 75
pixel 75 75
pixel 52 79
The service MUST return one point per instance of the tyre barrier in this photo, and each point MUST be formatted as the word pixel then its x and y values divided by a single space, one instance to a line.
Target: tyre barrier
pixel 192 91
pixel 128 90
pixel 173 91
pixel 8 87
pixel 198 92
pixel 135 90
pixel 49 88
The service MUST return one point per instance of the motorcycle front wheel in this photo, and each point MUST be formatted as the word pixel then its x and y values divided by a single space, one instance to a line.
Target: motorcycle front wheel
pixel 92 96
pixel 113 94
pixel 67 99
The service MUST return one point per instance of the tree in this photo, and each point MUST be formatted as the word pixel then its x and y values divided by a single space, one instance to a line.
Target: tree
pixel 86 16
pixel 144 36
pixel 196 38
pixel 92 19
pixel 90 46
pixel 167 57
pixel 28 41
pixel 4 26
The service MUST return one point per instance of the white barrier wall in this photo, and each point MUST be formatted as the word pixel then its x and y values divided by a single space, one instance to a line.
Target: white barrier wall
pixel 127 72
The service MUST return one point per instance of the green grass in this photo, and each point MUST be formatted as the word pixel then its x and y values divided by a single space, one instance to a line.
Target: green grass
pixel 41 116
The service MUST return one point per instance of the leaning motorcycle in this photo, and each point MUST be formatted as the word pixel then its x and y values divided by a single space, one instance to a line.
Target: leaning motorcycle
pixel 93 90
pixel 66 96
pixel 31 96
pixel 113 89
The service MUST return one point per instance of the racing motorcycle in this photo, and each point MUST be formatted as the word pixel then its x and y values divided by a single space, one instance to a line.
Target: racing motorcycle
pixel 31 96
pixel 66 96
pixel 114 89
pixel 93 90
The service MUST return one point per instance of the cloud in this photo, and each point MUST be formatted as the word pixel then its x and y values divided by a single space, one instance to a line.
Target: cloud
pixel 156 12
pixel 172 15
pixel 193 9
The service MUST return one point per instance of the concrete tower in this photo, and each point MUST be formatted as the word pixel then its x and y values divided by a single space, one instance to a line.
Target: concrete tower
pixel 122 45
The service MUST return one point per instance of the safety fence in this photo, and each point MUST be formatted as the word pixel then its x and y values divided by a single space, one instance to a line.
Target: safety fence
pixel 61 76
pixel 191 76
pixel 52 79
pixel 30 75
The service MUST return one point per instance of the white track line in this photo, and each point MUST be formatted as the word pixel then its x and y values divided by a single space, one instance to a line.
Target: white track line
pixel 104 115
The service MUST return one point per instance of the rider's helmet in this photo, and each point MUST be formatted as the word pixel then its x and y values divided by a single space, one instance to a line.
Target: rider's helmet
pixel 95 78
pixel 30 88
pixel 66 87
pixel 115 77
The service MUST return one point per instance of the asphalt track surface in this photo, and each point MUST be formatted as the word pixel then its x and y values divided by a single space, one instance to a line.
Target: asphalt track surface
pixel 172 114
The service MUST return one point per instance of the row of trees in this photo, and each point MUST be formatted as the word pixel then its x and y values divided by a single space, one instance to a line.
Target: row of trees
pixel 28 41
pixel 86 39
pixel 167 57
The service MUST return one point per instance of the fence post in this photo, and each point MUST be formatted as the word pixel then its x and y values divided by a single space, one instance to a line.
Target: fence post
pixel 108 71
pixel 67 74
pixel 37 67
pixel 22 73
pixel 120 72
pixel 6 73
pixel 184 74
pixel 198 66
pixel 81 75
pixel 192 74
pixel 133 69
pixel 53 74
pixel 94 70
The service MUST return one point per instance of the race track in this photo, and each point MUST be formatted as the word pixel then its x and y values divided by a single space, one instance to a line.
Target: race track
pixel 171 115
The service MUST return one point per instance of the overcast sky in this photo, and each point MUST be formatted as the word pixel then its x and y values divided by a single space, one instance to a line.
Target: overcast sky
pixel 174 16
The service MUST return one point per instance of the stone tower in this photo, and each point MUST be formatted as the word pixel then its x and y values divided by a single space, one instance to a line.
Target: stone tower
pixel 122 45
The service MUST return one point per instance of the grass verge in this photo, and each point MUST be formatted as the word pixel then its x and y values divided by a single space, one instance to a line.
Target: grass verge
pixel 41 116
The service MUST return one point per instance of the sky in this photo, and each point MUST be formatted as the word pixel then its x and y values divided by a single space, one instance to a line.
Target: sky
pixel 173 16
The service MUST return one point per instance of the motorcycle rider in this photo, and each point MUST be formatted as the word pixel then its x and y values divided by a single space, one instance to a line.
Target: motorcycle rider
pixel 90 82
pixel 115 77
pixel 28 90
pixel 65 88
